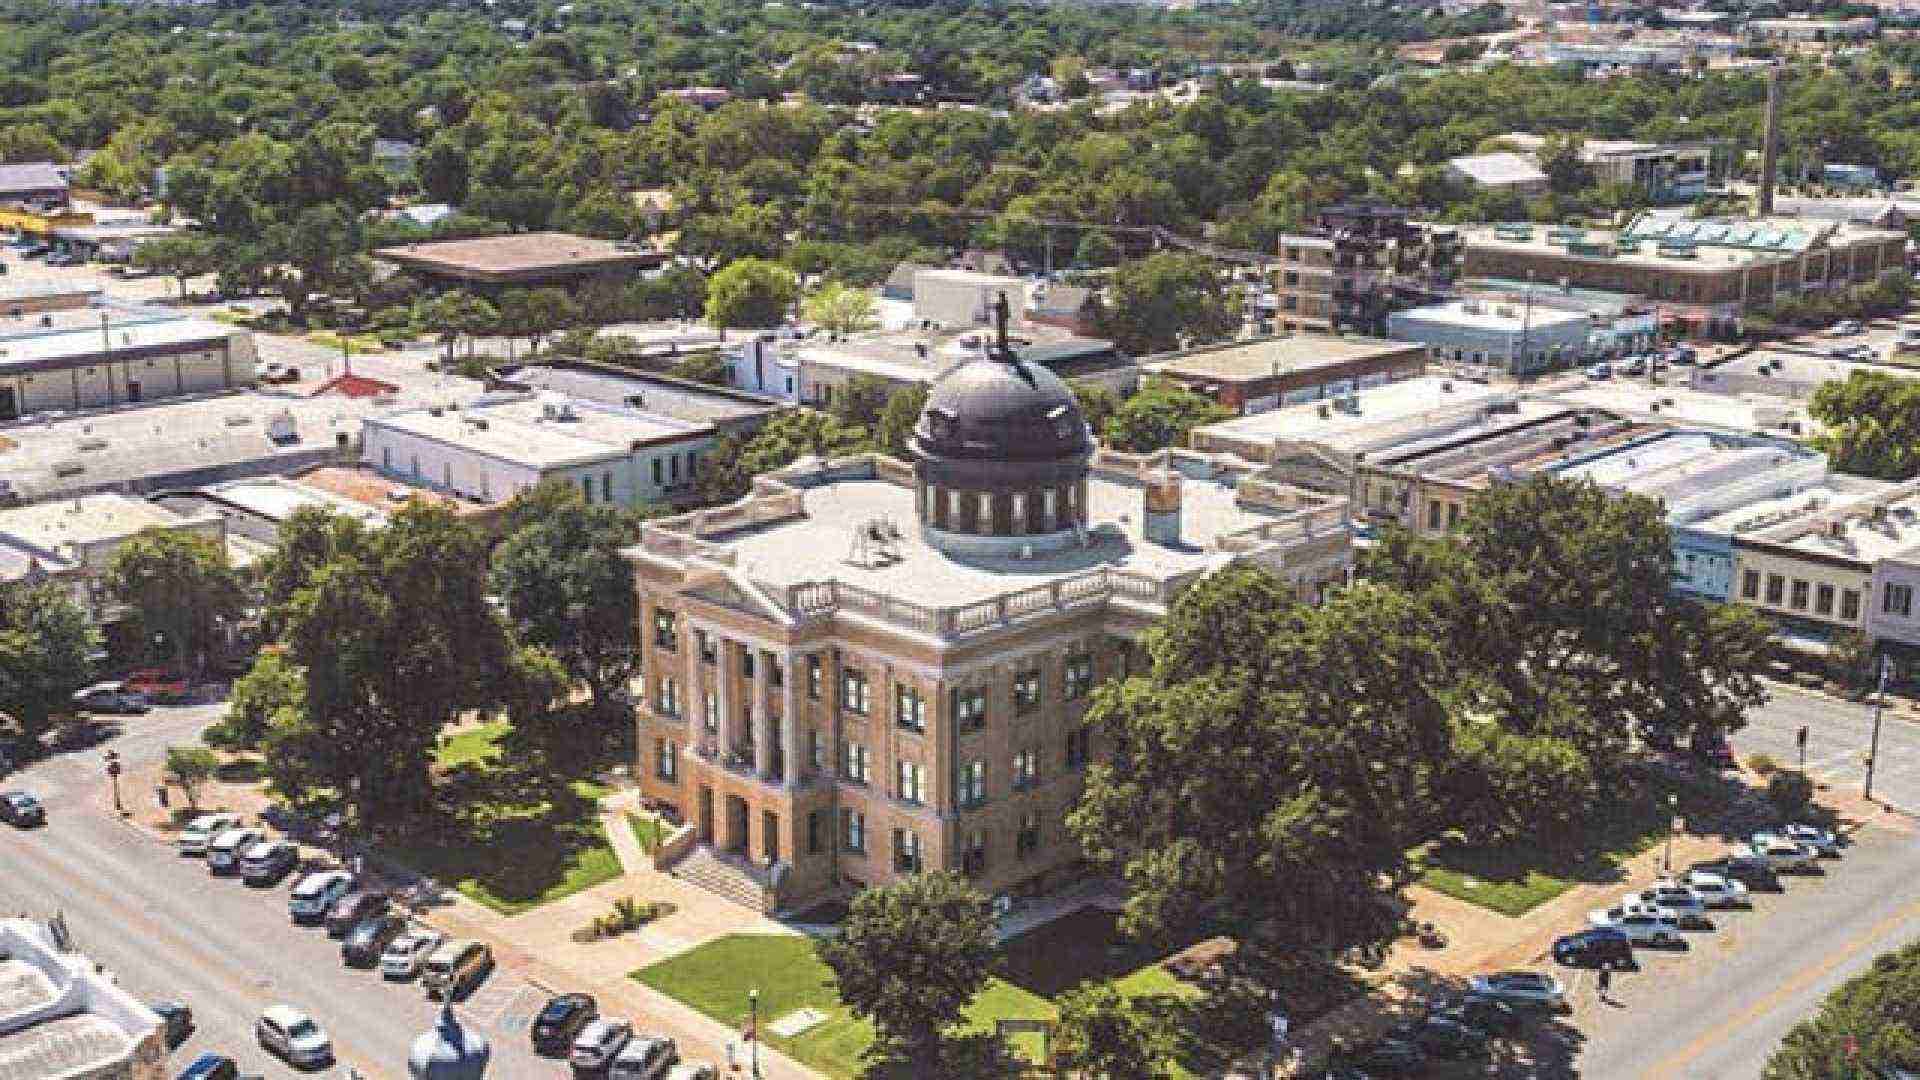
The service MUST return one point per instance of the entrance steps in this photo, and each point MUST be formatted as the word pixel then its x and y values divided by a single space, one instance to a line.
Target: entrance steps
pixel 728 875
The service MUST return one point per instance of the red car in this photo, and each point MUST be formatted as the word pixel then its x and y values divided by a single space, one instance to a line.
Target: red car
pixel 158 684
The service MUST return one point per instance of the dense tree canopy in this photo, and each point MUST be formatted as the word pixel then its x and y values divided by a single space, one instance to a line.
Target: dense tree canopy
pixel 47 643
pixel 178 590
pixel 1870 1026
pixel 1870 424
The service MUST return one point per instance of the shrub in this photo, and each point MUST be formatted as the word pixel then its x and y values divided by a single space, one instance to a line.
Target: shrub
pixel 1762 764
pixel 1790 791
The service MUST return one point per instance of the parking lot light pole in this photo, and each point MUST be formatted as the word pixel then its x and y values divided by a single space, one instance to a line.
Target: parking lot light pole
pixel 1666 857
pixel 753 1029
pixel 1873 750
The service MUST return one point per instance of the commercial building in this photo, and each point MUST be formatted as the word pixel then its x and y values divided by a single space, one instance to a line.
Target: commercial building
pixel 1621 322
pixel 521 260
pixel 815 369
pixel 74 541
pixel 495 448
pixel 1667 172
pixel 254 509
pixel 75 359
pixel 64 1018
pixel 1702 273
pixel 1355 264
pixel 1885 212
pixel 39 182
pixel 1251 377
pixel 870 668
pixel 956 299
pixel 729 411
pixel 1505 338
pixel 1672 401
pixel 1499 171
pixel 1806 29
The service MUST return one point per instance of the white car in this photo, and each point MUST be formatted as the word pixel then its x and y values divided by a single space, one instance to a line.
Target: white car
pixel 407 953
pixel 1846 328
pixel 315 893
pixel 294 1036
pixel 1642 925
pixel 1822 841
pixel 1718 892
pixel 1784 854
pixel 1536 988
pixel 223 854
pixel 201 831
pixel 1671 898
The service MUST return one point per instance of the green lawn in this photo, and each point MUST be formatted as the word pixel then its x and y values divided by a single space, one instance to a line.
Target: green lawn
pixel 647 831
pixel 715 978
pixel 518 840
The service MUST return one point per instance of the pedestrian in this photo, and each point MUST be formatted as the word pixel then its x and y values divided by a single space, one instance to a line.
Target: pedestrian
pixel 1606 984
pixel 733 1050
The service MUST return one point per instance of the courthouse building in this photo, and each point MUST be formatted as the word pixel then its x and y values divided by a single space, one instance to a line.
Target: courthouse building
pixel 869 667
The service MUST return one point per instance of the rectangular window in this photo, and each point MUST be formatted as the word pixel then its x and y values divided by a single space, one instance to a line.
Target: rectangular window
pixel 1017 510
pixel 673 467
pixel 776 674
pixel 813 832
pixel 814 677
pixel 1079 677
pixel 909 708
pixel 1776 589
pixel 1079 747
pixel 1026 769
pixel 1027 841
pixel 855 694
pixel 853 762
pixel 906 851
pixel 816 749
pixel 664 634
pixel 710 710
pixel 586 488
pixel 1026 691
pixel 1823 600
pixel 1849 604
pixel 666 758
pixel 853 824
pixel 907 786
pixel 746 665
pixel 1750 585
pixel 659 476
pixel 973 783
pixel 974 857
pixel 1898 601
pixel 709 647
pixel 1453 515
pixel 1800 591
pixel 1433 513
pixel 606 487
pixel 970 709
pixel 668 702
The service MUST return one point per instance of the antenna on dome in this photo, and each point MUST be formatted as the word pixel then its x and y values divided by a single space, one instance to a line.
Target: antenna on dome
pixel 1003 348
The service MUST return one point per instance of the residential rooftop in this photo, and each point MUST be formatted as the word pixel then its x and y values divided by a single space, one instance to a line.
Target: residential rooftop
pixel 1250 361
pixel 277 498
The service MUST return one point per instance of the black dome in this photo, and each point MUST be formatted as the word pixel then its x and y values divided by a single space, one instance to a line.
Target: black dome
pixel 1002 410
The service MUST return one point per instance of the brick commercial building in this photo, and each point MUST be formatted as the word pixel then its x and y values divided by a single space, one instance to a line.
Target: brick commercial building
pixel 1355 264
pixel 1702 273
pixel 868 668
pixel 1251 377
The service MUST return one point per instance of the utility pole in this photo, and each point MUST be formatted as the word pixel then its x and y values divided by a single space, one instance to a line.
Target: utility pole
pixel 1879 706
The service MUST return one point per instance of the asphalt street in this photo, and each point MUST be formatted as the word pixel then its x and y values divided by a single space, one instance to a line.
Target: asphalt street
pixel 1838 735
pixel 166 929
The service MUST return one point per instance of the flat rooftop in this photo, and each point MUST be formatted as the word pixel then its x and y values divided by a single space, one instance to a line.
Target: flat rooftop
pixel 1679 404
pixel 641 391
pixel 817 545
pixel 67 1046
pixel 84 520
pixel 916 355
pixel 29 350
pixel 527 431
pixel 1538 433
pixel 368 489
pixel 1765 514
pixel 1676 243
pixel 1281 355
pixel 517 254
pixel 1799 366
pixel 1380 406
pixel 1860 536
pixel 277 498
pixel 1501 317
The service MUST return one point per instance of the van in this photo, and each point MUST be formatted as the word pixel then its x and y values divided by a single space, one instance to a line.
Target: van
pixel 454 967
pixel 223 854
pixel 647 1057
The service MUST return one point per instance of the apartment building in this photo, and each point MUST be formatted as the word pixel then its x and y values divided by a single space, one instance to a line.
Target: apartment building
pixel 869 667
pixel 1355 264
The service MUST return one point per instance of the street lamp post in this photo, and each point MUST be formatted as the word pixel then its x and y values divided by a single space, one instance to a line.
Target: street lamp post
pixel 113 776
pixel 1666 857
pixel 753 1030
pixel 1873 751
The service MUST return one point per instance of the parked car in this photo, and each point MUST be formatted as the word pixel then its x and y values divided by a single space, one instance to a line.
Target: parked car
pixel 455 967
pixel 1600 371
pixel 367 942
pixel 158 684
pixel 694 1070
pixel 294 1036
pixel 1717 891
pixel 1599 947
pixel 1642 925
pixel 22 810
pixel 316 893
pixel 645 1057
pixel 354 906
pixel 223 852
pixel 200 832
pixel 562 1019
pixel 1823 841
pixel 1489 1015
pixel 211 1066
pixel 111 698
pixel 277 372
pixel 1684 354
pixel 1742 865
pixel 1526 988
pixel 1846 328
pixel 1635 365
pixel 598 1043
pixel 176 1021
pixel 408 953
pixel 1784 854
pixel 267 862
pixel 1675 899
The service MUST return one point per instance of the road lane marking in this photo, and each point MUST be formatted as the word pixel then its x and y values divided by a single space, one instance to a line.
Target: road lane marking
pixel 1801 979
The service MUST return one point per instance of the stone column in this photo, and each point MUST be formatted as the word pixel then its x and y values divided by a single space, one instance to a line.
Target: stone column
pixel 790 720
pixel 762 717
pixel 690 693
pixel 723 692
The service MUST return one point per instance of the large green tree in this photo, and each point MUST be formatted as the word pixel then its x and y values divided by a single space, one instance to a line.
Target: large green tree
pixel 728 472
pixel 750 293
pixel 178 590
pixel 910 957
pixel 1870 424
pixel 1168 301
pixel 1161 414
pixel 47 644
pixel 1102 1033
pixel 1869 1026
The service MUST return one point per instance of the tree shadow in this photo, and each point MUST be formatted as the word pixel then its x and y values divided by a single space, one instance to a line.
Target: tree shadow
pixel 1545 1046
pixel 244 770
pixel 973 1056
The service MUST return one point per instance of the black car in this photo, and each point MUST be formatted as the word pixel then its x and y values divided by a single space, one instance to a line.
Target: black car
pixel 1756 873
pixel 347 911
pixel 1444 1037
pixel 176 1021
pixel 21 809
pixel 368 939
pixel 1488 1014
pixel 1597 948
pixel 1389 1056
pixel 560 1021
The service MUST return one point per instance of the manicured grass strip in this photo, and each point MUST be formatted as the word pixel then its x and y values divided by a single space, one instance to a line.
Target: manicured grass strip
pixel 647 831
pixel 525 863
